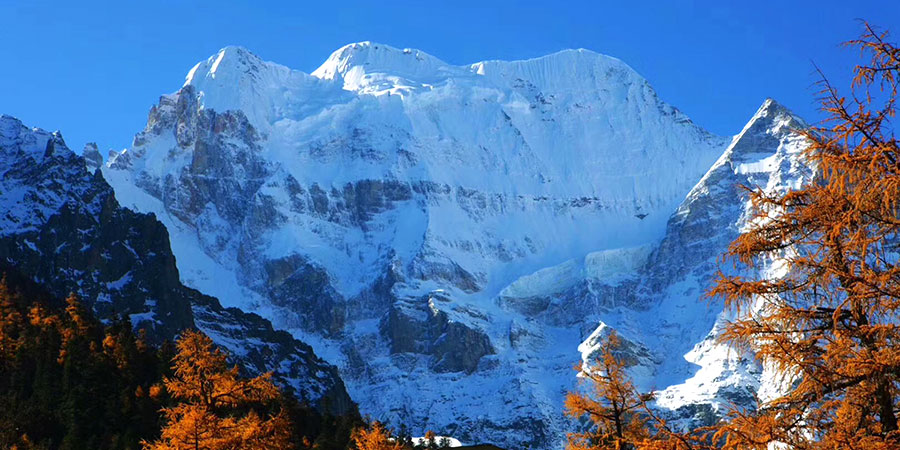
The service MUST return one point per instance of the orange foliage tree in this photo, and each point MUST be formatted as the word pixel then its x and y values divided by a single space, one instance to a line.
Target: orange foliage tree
pixel 828 324
pixel 218 408
pixel 10 323
pixel 375 437
pixel 621 416
pixel 611 403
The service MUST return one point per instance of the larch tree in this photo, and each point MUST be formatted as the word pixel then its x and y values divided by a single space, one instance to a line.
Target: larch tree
pixel 68 380
pixel 621 417
pixel 217 409
pixel 11 323
pixel 375 437
pixel 430 440
pixel 611 403
pixel 827 324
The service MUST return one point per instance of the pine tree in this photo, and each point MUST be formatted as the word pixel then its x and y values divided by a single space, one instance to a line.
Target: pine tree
pixel 68 381
pixel 829 325
pixel 216 406
pixel 63 384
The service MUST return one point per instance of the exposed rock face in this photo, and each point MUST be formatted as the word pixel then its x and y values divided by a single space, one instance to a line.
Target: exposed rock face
pixel 449 235
pixel 92 158
pixel 767 155
pixel 63 227
pixel 418 326
pixel 665 313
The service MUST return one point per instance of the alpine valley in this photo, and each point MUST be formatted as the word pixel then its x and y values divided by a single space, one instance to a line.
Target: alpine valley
pixel 445 241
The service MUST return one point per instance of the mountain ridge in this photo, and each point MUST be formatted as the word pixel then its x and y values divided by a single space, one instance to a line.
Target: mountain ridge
pixel 456 237
pixel 64 228
pixel 389 215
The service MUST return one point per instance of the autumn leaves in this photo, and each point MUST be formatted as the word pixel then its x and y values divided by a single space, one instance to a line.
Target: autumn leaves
pixel 215 409
pixel 829 328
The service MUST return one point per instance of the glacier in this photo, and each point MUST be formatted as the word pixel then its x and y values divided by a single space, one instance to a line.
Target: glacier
pixel 455 238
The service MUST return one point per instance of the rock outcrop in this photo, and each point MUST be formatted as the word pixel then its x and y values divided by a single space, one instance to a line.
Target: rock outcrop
pixel 63 227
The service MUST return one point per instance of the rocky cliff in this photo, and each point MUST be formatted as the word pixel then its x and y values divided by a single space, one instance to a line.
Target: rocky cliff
pixel 454 238
pixel 63 227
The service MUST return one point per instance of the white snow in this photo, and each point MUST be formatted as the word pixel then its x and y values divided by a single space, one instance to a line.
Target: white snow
pixel 451 442
pixel 606 266
pixel 543 176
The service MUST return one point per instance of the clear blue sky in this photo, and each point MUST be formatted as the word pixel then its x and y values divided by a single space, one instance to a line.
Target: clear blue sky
pixel 93 69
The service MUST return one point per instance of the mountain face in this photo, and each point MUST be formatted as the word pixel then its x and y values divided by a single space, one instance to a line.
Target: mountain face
pixel 454 238
pixel 63 228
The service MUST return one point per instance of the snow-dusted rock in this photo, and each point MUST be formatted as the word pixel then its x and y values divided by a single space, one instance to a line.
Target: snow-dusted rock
pixel 62 227
pixel 449 235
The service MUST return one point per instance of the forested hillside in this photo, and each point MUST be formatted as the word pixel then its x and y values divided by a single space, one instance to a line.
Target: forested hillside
pixel 70 381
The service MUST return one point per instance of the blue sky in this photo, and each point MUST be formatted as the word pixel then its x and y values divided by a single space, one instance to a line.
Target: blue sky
pixel 93 69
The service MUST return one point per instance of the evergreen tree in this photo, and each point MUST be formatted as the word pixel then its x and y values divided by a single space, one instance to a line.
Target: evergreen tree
pixel 68 381
pixel 64 382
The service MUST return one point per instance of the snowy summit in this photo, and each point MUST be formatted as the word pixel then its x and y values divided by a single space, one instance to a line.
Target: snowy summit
pixel 453 238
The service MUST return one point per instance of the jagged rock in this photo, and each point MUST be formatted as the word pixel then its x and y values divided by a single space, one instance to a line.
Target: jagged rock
pixel 419 326
pixel 92 157
pixel 534 196
pixel 64 228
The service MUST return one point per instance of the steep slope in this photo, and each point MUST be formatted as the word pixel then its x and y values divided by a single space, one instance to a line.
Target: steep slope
pixel 768 155
pixel 653 295
pixel 63 227
pixel 665 311
pixel 446 235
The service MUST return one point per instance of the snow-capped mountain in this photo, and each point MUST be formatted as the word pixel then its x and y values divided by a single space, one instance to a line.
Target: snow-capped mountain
pixel 62 227
pixel 454 238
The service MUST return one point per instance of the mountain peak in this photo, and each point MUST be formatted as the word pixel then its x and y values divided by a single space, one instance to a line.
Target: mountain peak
pixel 236 79
pixel 230 59
pixel 36 142
pixel 567 53
pixel 373 57
pixel 775 117
pixel 773 127
pixel 92 157
pixel 565 70
pixel 9 125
